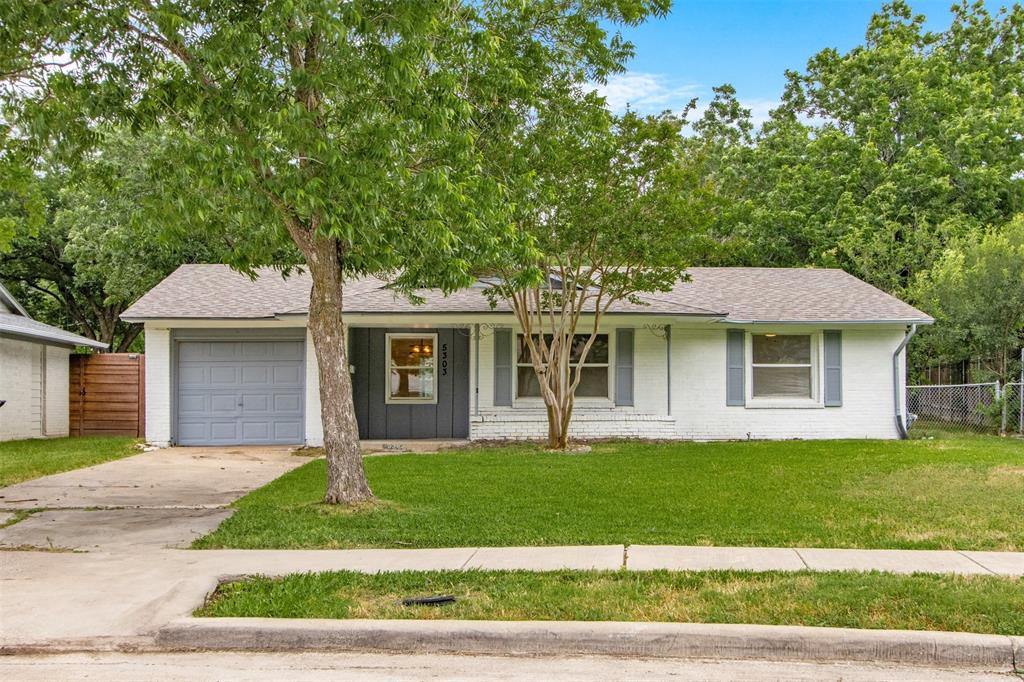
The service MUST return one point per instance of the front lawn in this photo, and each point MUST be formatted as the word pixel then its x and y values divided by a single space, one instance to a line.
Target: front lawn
pixel 834 599
pixel 21 460
pixel 965 494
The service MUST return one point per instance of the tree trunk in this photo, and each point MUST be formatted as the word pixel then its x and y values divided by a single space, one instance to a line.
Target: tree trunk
pixel 346 478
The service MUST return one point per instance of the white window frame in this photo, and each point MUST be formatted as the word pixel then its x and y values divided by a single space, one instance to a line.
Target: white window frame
pixel 581 401
pixel 388 366
pixel 817 375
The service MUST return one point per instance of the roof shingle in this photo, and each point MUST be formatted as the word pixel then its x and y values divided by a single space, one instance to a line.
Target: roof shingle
pixel 735 294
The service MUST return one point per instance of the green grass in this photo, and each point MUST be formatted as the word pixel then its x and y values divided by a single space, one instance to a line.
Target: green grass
pixel 21 460
pixel 962 493
pixel 836 599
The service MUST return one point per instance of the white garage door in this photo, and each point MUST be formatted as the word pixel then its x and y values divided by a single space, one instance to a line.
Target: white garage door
pixel 240 392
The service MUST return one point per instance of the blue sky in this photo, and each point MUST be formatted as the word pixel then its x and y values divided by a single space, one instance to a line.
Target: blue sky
pixel 748 43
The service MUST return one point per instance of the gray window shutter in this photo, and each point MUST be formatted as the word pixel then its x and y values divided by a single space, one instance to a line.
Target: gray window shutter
pixel 503 367
pixel 623 366
pixel 735 360
pixel 833 368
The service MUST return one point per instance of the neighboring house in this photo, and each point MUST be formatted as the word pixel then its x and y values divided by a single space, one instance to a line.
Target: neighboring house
pixel 34 372
pixel 736 353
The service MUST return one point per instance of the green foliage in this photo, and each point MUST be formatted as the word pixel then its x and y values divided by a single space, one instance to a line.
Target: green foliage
pixel 880 156
pixel 975 290
pixel 359 122
pixel 103 241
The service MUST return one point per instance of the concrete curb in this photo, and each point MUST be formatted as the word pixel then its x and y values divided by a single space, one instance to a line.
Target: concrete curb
pixel 650 640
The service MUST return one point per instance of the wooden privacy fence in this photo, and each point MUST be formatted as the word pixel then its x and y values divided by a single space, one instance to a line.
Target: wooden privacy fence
pixel 108 394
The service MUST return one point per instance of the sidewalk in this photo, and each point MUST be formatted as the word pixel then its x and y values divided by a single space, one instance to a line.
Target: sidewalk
pixel 123 596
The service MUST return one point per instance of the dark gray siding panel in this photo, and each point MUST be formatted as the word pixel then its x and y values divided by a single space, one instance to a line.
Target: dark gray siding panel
pixel 735 357
pixel 359 358
pixel 833 368
pixel 624 367
pixel 503 367
pixel 448 418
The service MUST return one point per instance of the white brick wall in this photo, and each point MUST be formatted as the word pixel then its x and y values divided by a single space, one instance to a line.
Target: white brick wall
pixel 58 373
pixel 158 385
pixel 698 395
pixel 586 424
pixel 314 425
pixel 24 367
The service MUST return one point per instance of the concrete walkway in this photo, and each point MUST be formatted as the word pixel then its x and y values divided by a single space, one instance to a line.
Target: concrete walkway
pixel 122 596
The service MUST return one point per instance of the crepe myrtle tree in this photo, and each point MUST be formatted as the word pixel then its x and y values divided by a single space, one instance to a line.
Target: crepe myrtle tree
pixel 615 213
pixel 354 129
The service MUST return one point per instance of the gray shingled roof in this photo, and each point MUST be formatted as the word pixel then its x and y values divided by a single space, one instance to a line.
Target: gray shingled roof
pixel 733 294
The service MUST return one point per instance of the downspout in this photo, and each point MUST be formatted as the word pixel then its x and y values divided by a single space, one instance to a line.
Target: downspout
pixel 668 369
pixel 901 424
pixel 476 370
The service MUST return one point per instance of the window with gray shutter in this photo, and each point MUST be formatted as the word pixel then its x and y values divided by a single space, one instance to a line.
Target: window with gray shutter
pixel 503 367
pixel 735 371
pixel 624 367
pixel 833 368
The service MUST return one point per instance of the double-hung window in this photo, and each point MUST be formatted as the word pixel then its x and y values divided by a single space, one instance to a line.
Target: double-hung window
pixel 594 370
pixel 782 366
pixel 411 368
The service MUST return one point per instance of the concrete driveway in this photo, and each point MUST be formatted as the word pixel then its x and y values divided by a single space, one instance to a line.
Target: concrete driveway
pixel 163 498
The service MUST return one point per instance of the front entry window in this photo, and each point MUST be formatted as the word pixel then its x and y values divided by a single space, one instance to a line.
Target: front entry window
pixel 782 366
pixel 411 368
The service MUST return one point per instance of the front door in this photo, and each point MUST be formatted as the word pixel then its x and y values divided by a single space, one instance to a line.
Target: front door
pixel 410 383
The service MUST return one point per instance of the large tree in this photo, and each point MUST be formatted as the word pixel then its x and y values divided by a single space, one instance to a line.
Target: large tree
pixel 103 242
pixel 879 156
pixel 353 129
pixel 614 212
pixel 975 290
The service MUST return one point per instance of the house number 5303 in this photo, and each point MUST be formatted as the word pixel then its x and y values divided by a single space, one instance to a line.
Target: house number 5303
pixel 444 359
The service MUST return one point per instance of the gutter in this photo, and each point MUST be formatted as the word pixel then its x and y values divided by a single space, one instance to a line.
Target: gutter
pixel 901 418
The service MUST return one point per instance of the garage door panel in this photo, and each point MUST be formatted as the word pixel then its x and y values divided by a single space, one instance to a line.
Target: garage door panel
pixel 192 403
pixel 255 374
pixel 223 403
pixel 284 402
pixel 193 431
pixel 224 431
pixel 192 375
pixel 255 350
pixel 220 350
pixel 287 375
pixel 288 350
pixel 255 431
pixel 287 431
pixel 255 403
pixel 240 392
pixel 223 375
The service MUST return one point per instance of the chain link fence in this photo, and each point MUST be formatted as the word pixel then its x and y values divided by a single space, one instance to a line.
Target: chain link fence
pixel 974 408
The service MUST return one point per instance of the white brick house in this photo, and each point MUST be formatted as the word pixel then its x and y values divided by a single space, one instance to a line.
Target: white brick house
pixel 735 353
pixel 34 372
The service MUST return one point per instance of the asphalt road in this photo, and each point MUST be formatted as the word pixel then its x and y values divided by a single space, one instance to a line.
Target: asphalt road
pixel 314 667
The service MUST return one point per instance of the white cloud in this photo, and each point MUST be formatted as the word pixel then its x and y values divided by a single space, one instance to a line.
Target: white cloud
pixel 652 93
pixel 645 93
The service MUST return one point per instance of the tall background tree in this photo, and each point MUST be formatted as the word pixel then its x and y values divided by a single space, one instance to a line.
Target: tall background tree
pixel 98 248
pixel 352 130
pixel 975 290
pixel 878 157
